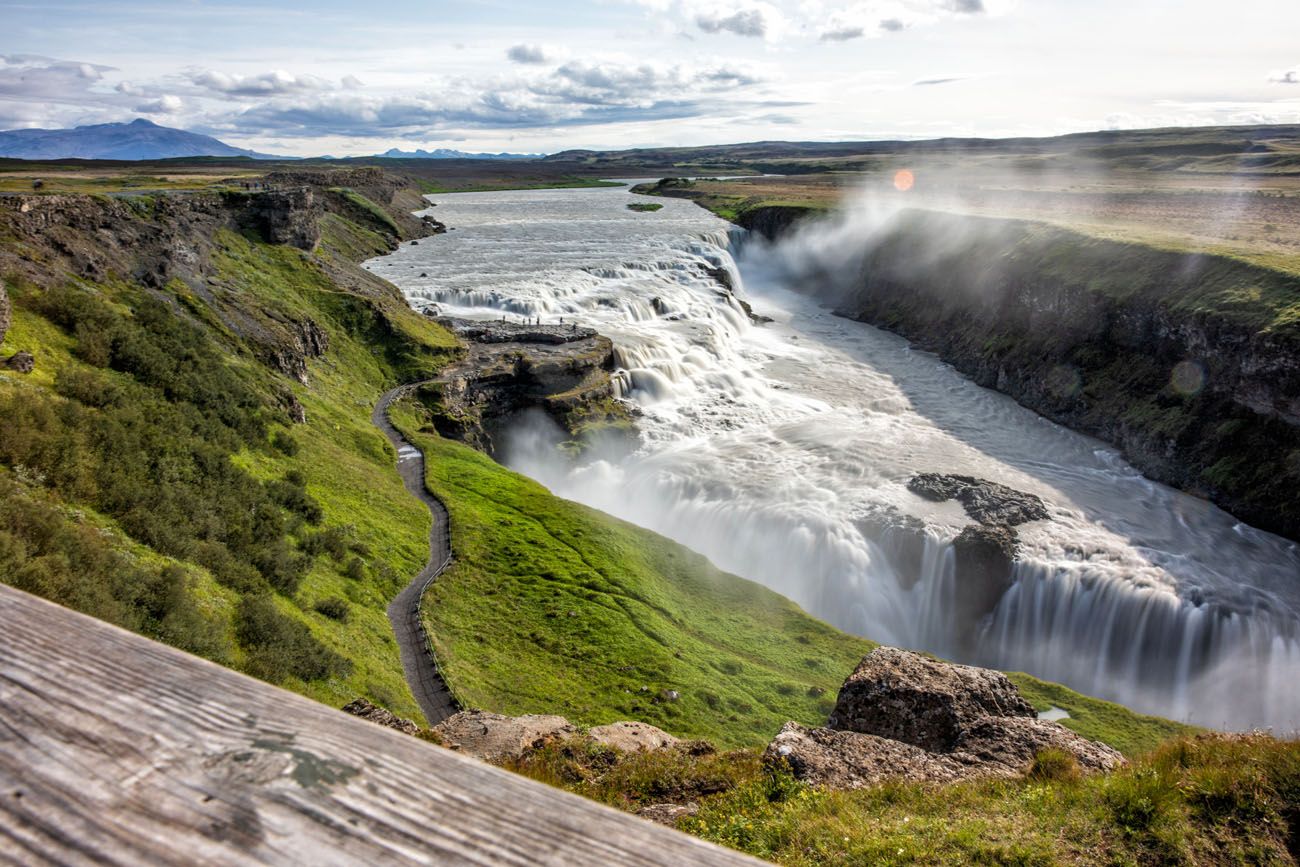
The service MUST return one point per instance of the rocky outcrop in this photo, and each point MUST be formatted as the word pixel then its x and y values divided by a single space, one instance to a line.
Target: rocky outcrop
pixel 496 738
pixel 380 716
pixel 773 221
pixel 21 362
pixel 632 737
pixel 290 217
pixel 903 716
pixel 287 345
pixel 511 367
pixel 1185 362
pixel 907 697
pixel 985 501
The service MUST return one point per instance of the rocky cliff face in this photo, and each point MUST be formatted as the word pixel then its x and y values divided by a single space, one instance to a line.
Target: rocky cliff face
pixel 563 370
pixel 903 716
pixel 166 244
pixel 1189 364
pixel 773 221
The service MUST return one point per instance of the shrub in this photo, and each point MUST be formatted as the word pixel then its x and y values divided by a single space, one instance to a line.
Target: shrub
pixel 1054 764
pixel 284 443
pixel 279 647
pixel 334 608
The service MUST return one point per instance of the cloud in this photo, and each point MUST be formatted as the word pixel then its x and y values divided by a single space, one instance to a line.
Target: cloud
pixel 964 7
pixel 576 93
pixel 927 82
pixel 892 25
pixel 843 34
pixel 531 54
pixel 1285 76
pixel 351 82
pixel 746 22
pixel 33 77
pixel 166 104
pixel 273 83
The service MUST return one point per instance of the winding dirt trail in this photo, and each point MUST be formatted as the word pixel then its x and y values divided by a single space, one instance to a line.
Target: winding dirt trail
pixel 418 662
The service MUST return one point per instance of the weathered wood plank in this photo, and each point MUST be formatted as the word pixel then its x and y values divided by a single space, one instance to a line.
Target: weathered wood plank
pixel 117 749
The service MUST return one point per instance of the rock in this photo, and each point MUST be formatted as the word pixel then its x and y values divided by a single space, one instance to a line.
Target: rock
pixel 983 561
pixel 1011 743
pixel 289 217
pixel 904 696
pixel 21 362
pixel 901 537
pixel 668 814
pixel 851 760
pixel 6 316
pixel 495 738
pixel 380 716
pixel 632 737
pixel 985 501
pixel 902 716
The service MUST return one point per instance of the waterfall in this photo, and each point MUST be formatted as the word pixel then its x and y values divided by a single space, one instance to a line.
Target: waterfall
pixel 776 450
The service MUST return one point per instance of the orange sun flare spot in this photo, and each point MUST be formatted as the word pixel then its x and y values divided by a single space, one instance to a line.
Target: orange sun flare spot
pixel 903 180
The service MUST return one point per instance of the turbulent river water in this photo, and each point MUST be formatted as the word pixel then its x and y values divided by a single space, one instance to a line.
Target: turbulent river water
pixel 764 445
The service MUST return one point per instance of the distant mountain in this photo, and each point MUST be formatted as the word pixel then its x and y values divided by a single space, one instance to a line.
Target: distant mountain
pixel 137 140
pixel 446 154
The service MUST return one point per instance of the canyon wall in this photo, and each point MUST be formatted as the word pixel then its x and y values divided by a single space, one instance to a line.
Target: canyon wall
pixel 1188 363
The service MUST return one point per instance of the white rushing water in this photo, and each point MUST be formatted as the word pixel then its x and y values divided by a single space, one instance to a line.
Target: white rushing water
pixel 764 446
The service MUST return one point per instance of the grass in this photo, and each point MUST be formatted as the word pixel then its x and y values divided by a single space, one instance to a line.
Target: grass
pixel 551 607
pixel 645 207
pixel 347 466
pixel 1208 800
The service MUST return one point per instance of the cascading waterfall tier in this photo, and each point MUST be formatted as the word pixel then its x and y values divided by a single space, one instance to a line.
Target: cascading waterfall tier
pixel 774 450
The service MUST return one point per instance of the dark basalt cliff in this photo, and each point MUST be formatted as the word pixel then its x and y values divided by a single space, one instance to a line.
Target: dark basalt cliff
pixel 563 370
pixel 1190 364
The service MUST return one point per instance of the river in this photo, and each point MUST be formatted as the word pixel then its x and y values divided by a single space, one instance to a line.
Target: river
pixel 763 447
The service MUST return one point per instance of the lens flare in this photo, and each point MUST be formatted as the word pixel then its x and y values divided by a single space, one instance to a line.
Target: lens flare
pixel 903 180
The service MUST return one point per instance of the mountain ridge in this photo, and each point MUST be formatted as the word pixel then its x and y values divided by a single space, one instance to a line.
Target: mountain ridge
pixel 139 139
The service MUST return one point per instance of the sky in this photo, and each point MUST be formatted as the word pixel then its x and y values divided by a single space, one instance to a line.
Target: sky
pixel 351 78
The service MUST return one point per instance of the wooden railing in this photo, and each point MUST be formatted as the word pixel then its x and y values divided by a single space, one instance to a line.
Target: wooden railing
pixel 116 749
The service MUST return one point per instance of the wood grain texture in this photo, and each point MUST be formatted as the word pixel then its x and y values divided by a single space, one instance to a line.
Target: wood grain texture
pixel 116 749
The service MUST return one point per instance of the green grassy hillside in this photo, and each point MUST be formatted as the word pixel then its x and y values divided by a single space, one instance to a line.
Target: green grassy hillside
pixel 151 476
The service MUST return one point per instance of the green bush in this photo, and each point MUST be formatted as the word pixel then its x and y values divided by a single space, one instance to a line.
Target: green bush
pixel 334 608
pixel 280 647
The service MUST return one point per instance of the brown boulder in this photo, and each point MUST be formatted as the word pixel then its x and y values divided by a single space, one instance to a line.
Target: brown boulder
pixel 903 716
pixel 380 716
pixel 907 697
pixel 851 760
pixel 632 737
pixel 495 738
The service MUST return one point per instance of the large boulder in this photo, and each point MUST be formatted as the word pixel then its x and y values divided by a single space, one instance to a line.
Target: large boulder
pixel 903 716
pixel 496 738
pixel 849 760
pixel 632 737
pixel 907 697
